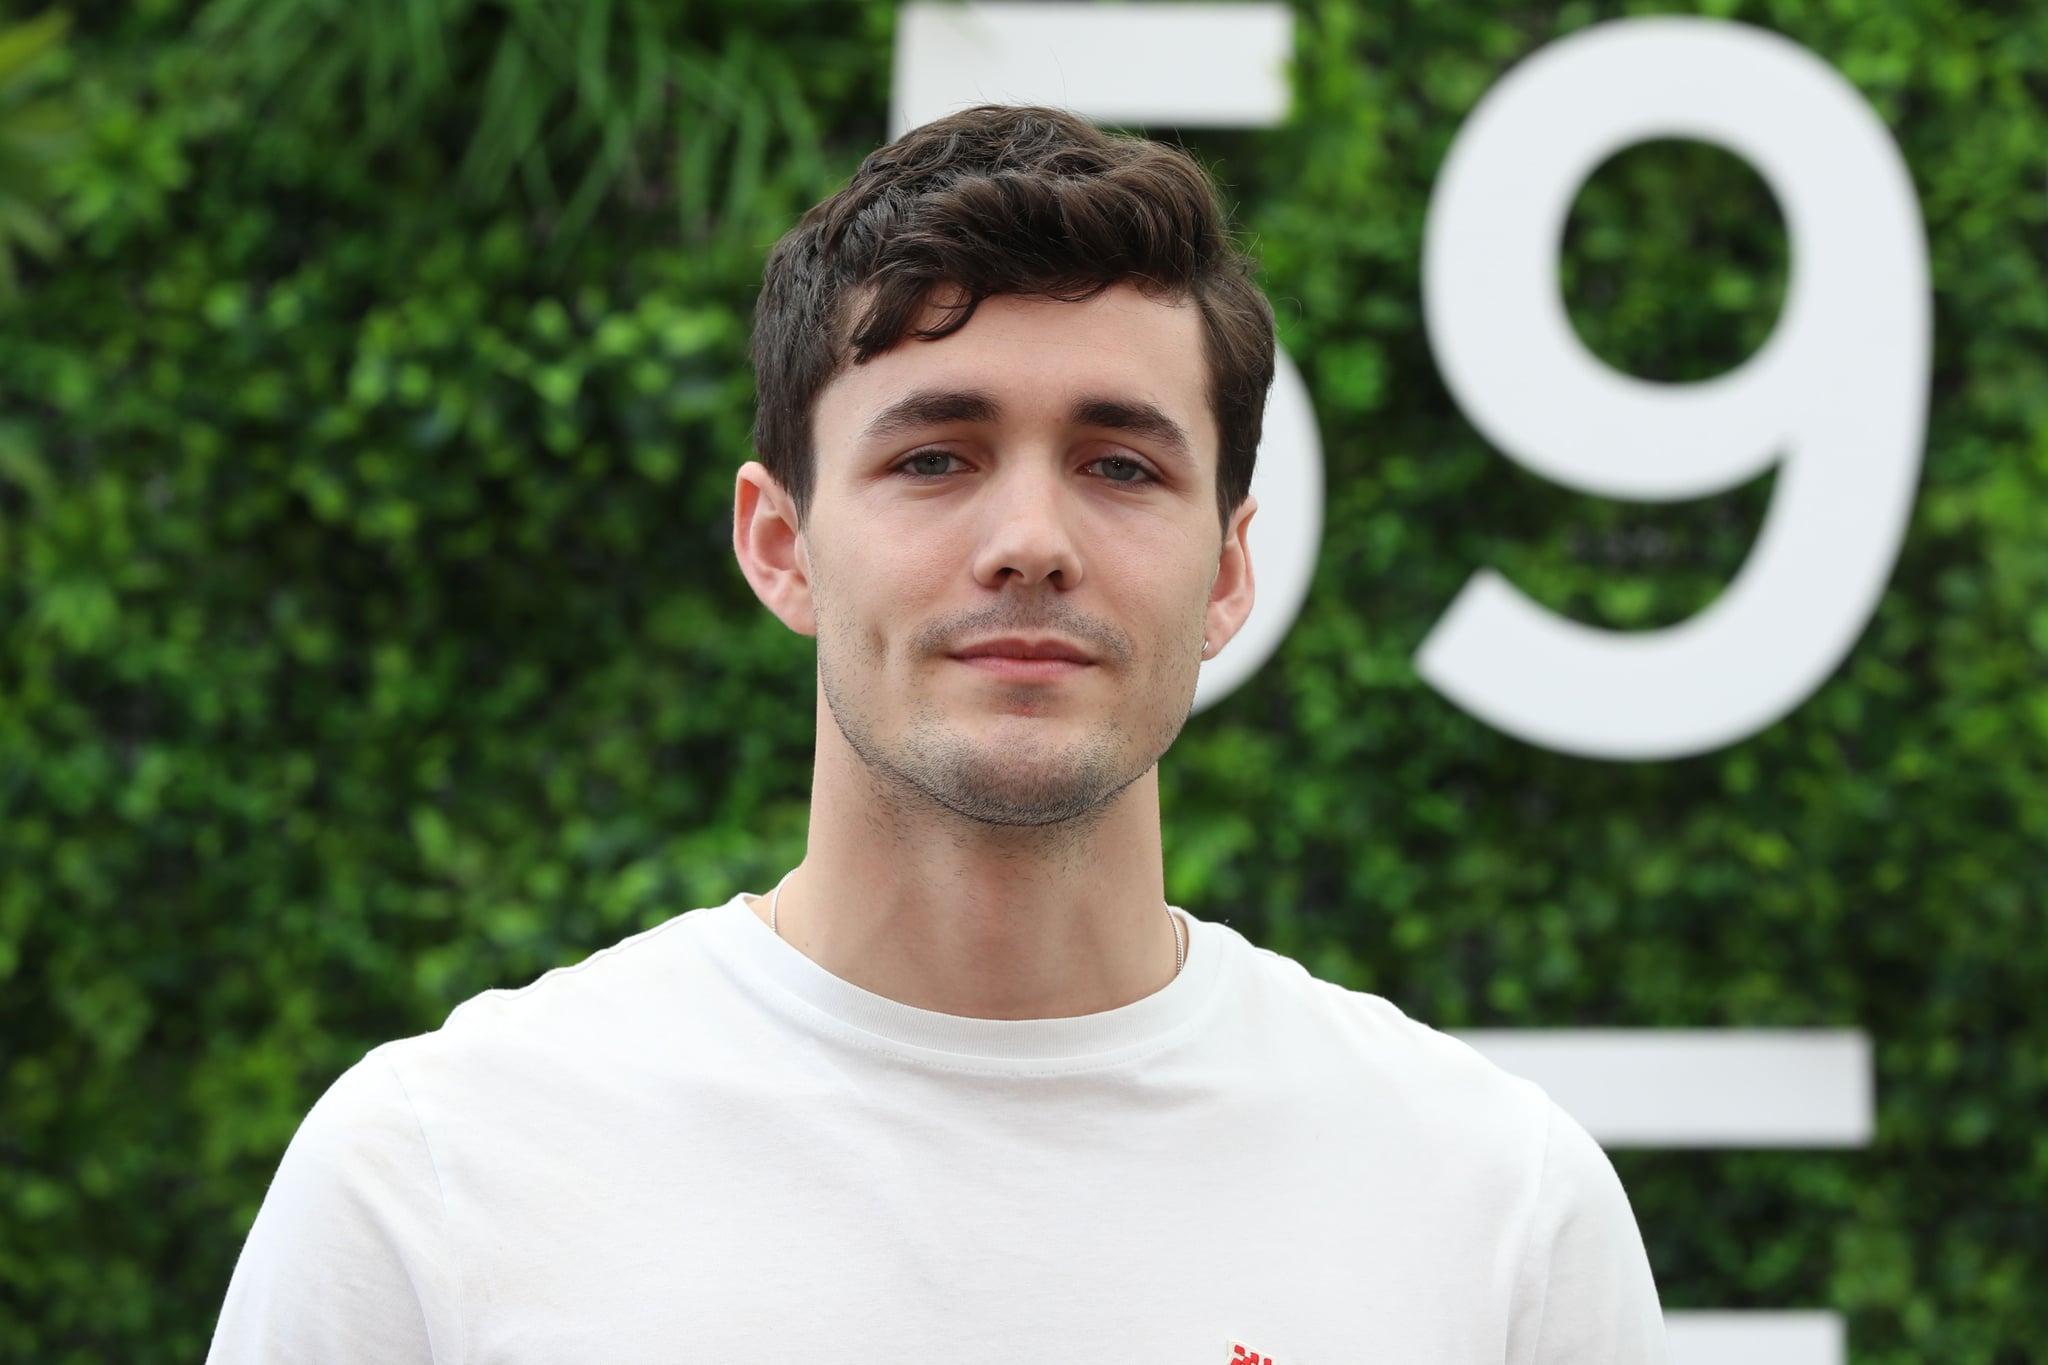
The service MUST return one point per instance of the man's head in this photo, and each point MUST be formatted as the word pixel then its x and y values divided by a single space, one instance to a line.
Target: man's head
pixel 992 201
pixel 1011 380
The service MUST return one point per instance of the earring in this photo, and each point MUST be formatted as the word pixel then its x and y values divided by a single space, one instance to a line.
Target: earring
pixel 1205 649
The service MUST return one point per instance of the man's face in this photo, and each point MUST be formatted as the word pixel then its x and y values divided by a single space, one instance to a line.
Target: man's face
pixel 1014 553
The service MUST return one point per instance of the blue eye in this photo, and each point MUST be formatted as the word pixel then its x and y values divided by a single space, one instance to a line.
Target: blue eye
pixel 1123 471
pixel 927 464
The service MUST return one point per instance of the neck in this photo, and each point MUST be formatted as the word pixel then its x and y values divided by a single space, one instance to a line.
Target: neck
pixel 907 899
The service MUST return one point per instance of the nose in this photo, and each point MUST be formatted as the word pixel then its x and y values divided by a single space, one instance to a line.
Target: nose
pixel 1027 534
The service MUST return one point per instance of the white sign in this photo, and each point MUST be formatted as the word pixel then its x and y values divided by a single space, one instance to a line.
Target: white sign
pixel 1756 1338
pixel 1204 65
pixel 1836 399
pixel 1725 1087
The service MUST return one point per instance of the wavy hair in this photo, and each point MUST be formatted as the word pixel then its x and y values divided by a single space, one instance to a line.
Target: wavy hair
pixel 1002 200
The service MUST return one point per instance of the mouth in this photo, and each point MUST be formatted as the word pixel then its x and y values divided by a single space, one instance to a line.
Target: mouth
pixel 1016 659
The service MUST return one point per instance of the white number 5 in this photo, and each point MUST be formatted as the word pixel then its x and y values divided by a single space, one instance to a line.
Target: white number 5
pixel 1836 398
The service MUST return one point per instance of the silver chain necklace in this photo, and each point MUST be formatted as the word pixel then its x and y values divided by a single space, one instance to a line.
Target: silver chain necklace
pixel 1180 943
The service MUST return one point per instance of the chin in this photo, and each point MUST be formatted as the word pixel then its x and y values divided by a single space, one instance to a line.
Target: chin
pixel 1009 776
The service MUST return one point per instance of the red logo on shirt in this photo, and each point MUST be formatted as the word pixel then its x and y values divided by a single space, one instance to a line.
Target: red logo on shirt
pixel 1240 1354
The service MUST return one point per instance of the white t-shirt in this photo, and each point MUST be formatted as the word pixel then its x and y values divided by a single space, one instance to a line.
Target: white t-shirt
pixel 699 1145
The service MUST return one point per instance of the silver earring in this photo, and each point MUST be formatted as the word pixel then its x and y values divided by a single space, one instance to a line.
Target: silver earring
pixel 1205 649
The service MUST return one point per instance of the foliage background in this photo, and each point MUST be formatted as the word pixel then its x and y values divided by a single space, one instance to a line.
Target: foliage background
pixel 368 408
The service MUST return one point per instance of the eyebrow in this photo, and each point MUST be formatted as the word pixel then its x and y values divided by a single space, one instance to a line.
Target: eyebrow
pixel 930 408
pixel 1138 418
pixel 938 407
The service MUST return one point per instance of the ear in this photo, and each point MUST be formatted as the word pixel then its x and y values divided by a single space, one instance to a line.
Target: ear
pixel 770 547
pixel 1230 596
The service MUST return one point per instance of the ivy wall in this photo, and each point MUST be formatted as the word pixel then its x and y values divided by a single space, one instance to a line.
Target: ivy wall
pixel 371 382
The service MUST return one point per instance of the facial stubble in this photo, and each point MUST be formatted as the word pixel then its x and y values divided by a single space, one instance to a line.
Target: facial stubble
pixel 1025 782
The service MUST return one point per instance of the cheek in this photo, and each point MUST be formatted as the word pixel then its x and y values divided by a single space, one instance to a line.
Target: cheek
pixel 873 591
pixel 1168 607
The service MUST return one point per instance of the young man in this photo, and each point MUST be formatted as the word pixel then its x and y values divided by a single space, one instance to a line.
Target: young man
pixel 963 1087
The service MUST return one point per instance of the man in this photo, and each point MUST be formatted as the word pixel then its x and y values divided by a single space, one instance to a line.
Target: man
pixel 963 1087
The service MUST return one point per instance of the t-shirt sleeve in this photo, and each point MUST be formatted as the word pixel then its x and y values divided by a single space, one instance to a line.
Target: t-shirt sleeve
pixel 1584 1295
pixel 348 1258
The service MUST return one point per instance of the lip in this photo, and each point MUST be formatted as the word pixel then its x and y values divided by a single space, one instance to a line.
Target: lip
pixel 1017 659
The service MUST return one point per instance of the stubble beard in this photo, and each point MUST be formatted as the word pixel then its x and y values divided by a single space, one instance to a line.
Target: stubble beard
pixel 1025 784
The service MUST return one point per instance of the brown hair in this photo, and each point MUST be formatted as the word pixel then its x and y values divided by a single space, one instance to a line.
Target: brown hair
pixel 1003 200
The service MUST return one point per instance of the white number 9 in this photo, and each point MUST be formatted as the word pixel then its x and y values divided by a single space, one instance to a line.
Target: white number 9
pixel 1837 397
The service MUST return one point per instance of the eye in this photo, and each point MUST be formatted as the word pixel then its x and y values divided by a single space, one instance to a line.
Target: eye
pixel 1118 470
pixel 927 464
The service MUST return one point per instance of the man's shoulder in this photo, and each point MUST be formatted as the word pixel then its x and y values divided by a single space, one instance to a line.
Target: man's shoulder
pixel 610 979
pixel 606 1008
pixel 1370 1049
pixel 507 1068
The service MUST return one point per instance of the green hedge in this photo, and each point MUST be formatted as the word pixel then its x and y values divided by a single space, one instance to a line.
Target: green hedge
pixel 368 635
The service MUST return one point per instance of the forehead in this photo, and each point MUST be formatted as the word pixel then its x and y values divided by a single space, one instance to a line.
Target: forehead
pixel 1041 360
